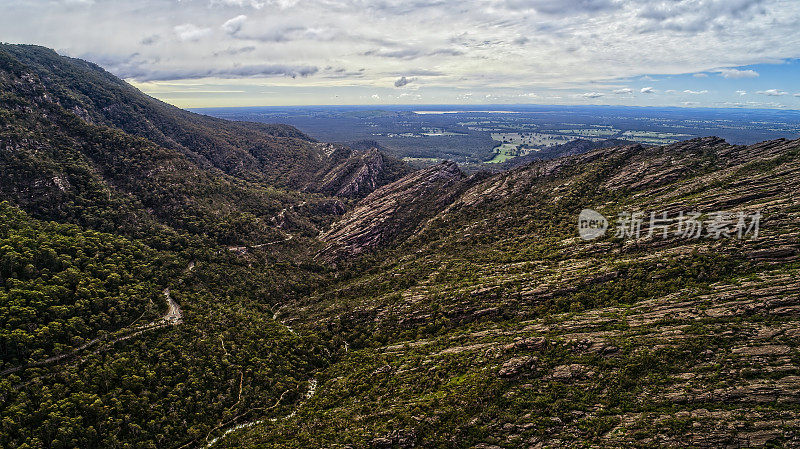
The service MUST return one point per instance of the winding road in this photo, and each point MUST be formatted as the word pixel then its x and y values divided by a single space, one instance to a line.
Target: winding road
pixel 172 317
pixel 312 388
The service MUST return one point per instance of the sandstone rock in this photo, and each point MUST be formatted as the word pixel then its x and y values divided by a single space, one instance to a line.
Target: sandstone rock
pixel 394 211
pixel 516 365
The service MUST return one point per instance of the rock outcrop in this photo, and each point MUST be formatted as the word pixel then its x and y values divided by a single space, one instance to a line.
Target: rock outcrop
pixel 355 174
pixel 394 211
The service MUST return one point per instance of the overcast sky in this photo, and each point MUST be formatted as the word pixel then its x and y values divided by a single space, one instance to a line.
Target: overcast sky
pixel 194 53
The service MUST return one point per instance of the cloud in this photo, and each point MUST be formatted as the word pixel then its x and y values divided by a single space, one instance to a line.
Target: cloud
pixel 141 73
pixel 503 47
pixel 150 40
pixel 376 97
pixel 255 4
pixel 624 90
pixel 696 16
pixel 404 53
pixel 190 32
pixel 738 74
pixel 282 33
pixel 772 92
pixel 562 7
pixel 695 92
pixel 592 95
pixel 235 51
pixel 647 90
pixel 234 25
pixel 797 95
pixel 741 92
pixel 700 75
pixel 419 72
pixel 403 81
pixel 411 53
pixel 446 52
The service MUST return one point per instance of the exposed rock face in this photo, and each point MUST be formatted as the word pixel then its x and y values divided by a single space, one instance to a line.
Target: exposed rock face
pixel 394 211
pixel 356 174
pixel 514 366
pixel 648 342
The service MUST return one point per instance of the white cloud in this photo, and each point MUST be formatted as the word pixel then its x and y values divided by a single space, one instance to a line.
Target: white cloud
pixel 647 90
pixel 741 92
pixel 695 92
pixel 575 46
pixel 624 90
pixel 234 25
pixel 738 74
pixel 700 75
pixel 697 16
pixel 592 95
pixel 773 92
pixel 240 3
pixel 190 32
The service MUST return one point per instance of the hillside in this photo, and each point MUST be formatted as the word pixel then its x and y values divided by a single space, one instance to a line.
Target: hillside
pixel 247 150
pixel 494 325
pixel 169 280
pixel 78 144
pixel 135 285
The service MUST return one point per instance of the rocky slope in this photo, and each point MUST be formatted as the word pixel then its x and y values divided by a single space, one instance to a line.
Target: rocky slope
pixel 495 326
pixel 393 212
pixel 355 174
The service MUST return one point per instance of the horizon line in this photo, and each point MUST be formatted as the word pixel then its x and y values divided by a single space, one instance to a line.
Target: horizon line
pixel 505 105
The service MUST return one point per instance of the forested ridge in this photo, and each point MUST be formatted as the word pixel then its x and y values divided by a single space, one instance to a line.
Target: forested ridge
pixel 110 200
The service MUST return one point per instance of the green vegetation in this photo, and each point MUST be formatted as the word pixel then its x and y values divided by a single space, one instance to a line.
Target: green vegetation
pixel 62 286
pixel 495 326
pixel 479 319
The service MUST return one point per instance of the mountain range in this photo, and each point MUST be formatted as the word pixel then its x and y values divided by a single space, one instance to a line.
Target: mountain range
pixel 172 280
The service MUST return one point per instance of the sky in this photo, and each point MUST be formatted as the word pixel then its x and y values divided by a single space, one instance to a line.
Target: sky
pixel 212 53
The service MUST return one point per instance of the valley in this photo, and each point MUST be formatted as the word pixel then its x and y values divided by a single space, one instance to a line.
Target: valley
pixel 170 279
pixel 473 136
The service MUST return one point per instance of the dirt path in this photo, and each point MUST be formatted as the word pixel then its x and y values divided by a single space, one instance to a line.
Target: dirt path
pixel 174 314
pixel 312 388
pixel 243 249
pixel 172 317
